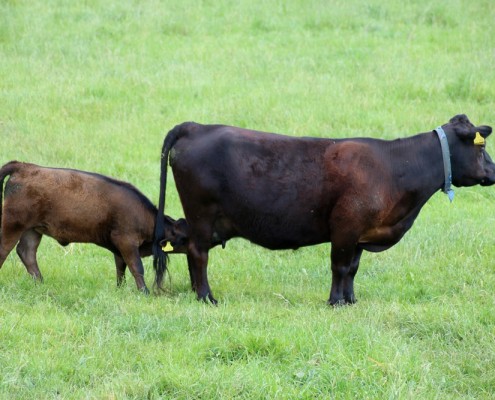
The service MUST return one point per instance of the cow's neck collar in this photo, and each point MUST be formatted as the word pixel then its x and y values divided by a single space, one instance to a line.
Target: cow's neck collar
pixel 447 187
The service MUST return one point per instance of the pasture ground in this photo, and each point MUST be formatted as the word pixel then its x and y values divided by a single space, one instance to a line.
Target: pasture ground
pixel 95 85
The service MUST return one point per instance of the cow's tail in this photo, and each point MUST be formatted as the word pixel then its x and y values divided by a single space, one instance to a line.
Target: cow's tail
pixel 160 258
pixel 6 170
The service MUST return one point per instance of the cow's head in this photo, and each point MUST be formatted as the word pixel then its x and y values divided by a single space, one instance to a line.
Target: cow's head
pixel 176 235
pixel 471 164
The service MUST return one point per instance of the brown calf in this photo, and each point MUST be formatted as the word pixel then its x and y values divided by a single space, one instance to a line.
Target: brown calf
pixel 77 206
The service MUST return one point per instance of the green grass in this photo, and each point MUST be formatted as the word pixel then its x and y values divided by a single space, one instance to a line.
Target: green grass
pixel 95 85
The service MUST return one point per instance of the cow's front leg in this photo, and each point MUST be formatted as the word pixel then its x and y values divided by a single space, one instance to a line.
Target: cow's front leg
pixel 349 296
pixel 120 267
pixel 198 271
pixel 341 267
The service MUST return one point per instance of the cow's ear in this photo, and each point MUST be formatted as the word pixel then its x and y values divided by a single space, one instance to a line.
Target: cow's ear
pixel 477 134
pixel 484 130
pixel 460 119
pixel 463 128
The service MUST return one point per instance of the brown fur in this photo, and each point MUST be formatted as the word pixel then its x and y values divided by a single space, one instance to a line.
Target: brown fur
pixel 76 206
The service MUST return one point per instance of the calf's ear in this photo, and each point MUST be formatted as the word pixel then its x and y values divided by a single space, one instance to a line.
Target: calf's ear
pixel 181 224
pixel 170 220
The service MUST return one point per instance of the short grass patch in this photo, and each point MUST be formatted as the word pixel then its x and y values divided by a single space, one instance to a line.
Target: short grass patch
pixel 96 85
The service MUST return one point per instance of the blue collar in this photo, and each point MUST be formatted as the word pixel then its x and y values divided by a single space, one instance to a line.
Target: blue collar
pixel 447 189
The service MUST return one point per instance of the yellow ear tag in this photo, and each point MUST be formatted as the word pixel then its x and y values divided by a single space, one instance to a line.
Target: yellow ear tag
pixel 479 140
pixel 168 247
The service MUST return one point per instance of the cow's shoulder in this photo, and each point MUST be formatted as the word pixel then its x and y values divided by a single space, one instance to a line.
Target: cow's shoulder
pixel 350 150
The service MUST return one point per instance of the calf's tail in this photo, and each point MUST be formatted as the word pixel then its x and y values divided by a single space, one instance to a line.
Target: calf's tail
pixel 159 257
pixel 6 170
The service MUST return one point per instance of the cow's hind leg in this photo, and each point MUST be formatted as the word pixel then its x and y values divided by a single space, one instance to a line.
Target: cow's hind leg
pixel 120 267
pixel 199 276
pixel 26 250
pixel 201 220
pixel 190 266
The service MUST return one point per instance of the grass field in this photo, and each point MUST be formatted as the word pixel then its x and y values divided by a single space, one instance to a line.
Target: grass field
pixel 95 85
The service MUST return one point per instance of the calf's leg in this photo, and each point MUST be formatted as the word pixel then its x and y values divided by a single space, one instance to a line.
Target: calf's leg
pixel 129 252
pixel 26 250
pixel 137 270
pixel 8 240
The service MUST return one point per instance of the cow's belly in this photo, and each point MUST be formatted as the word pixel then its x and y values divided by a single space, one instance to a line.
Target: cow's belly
pixel 272 233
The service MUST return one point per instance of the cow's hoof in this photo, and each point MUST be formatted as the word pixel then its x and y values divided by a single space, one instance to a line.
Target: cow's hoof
pixel 212 300
pixel 37 278
pixel 145 291
pixel 340 302
pixel 207 298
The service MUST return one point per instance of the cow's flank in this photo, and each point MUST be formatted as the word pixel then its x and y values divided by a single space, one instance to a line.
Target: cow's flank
pixel 285 192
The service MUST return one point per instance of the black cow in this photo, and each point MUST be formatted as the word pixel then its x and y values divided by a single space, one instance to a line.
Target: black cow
pixel 284 192
pixel 77 206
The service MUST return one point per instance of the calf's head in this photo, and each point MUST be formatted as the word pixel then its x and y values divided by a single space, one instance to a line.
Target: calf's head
pixel 471 163
pixel 176 235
